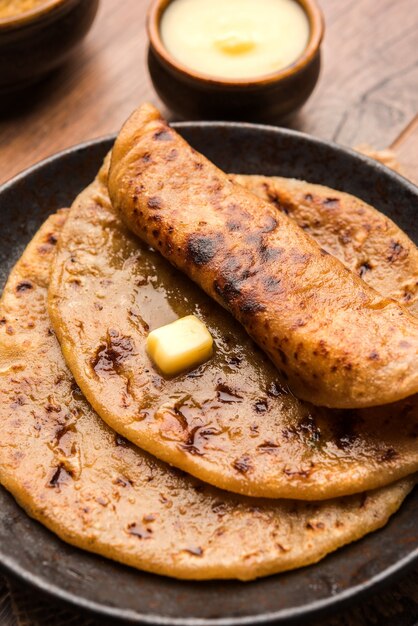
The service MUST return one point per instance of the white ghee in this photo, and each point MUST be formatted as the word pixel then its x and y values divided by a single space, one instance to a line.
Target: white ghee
pixel 235 38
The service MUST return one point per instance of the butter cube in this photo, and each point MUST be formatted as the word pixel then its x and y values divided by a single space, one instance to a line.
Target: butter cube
pixel 179 346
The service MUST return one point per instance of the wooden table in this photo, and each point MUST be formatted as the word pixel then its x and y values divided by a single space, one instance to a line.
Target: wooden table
pixel 368 93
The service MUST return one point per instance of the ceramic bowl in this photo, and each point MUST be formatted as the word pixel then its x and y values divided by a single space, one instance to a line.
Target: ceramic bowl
pixel 35 42
pixel 269 98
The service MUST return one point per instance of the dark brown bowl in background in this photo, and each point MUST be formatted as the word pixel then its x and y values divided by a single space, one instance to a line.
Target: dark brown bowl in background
pixel 269 98
pixel 36 42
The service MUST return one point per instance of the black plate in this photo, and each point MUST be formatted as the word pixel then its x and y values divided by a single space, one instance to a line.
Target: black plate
pixel 87 581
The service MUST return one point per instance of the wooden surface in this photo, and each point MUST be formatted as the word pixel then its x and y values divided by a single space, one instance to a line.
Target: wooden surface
pixel 368 93
pixel 405 147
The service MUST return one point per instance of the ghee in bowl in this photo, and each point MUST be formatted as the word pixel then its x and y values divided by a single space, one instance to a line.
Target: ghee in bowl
pixel 235 39
pixel 250 60
pixel 12 8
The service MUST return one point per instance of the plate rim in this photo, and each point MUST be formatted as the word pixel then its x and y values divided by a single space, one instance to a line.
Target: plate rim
pixel 283 616
pixel 281 130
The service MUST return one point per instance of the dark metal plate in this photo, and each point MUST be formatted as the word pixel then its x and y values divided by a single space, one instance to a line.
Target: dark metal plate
pixel 87 581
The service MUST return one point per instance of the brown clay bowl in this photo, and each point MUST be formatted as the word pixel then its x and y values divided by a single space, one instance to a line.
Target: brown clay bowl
pixel 34 43
pixel 269 98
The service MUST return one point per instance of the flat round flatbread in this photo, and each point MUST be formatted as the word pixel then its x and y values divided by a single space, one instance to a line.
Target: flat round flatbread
pixel 229 422
pixel 365 240
pixel 96 491
pixel 335 340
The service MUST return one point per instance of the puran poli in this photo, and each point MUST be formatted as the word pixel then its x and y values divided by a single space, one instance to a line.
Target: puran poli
pixel 228 422
pixel 365 240
pixel 334 339
pixel 98 492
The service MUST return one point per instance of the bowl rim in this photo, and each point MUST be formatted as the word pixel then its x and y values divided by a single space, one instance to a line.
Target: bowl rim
pixel 317 28
pixel 31 15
